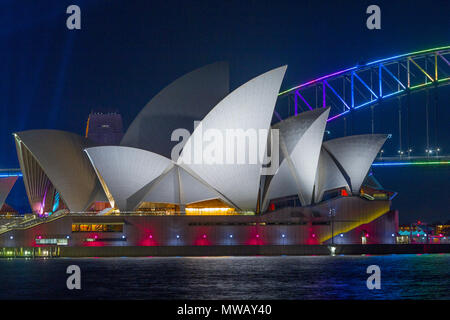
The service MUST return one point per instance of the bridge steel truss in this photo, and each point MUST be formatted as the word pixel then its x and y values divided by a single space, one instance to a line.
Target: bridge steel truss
pixel 371 83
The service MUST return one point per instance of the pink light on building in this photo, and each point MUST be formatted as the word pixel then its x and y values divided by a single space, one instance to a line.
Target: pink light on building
pixel 202 241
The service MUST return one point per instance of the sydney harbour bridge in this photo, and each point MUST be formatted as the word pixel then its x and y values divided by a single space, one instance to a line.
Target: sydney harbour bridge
pixel 393 81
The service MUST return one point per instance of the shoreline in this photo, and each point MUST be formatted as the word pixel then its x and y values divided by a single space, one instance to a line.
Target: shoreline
pixel 214 251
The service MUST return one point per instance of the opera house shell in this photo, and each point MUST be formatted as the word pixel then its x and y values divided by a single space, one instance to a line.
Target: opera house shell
pixel 6 184
pixel 208 203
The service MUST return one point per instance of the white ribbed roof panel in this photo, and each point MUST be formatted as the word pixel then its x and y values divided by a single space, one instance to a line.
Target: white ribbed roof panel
pixel 250 107
pixel 328 177
pixel 282 185
pixel 355 155
pixel 6 185
pixel 187 99
pixel 60 155
pixel 292 129
pixel 300 141
pixel 193 190
pixel 165 189
pixel 126 170
pixel 303 156
pixel 175 186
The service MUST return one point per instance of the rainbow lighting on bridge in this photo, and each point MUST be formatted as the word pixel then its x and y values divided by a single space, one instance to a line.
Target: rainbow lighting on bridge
pixel 369 83
pixel 413 163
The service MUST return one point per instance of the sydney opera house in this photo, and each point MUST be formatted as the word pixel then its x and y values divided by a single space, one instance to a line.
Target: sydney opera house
pixel 147 191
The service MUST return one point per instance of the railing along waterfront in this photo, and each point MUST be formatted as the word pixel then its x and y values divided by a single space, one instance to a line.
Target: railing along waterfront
pixel 30 220
pixel 29 252
pixel 157 213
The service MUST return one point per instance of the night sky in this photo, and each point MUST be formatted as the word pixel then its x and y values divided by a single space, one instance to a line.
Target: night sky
pixel 127 51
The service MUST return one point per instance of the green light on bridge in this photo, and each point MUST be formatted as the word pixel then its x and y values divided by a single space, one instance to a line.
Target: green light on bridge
pixel 417 163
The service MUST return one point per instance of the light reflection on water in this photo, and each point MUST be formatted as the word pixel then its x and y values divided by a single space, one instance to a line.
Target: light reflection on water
pixel 311 277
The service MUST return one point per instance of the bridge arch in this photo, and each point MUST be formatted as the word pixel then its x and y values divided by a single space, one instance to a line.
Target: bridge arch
pixel 370 83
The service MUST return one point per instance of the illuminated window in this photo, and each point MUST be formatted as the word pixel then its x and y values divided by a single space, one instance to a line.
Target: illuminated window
pixel 52 241
pixel 209 207
pixel 90 227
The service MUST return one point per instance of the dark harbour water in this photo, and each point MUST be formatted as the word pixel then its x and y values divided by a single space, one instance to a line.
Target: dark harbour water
pixel 314 277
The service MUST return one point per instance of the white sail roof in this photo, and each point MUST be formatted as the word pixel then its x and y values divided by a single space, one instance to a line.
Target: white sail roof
pixel 6 185
pixel 175 186
pixel 249 107
pixel 164 189
pixel 187 99
pixel 328 176
pixel 300 141
pixel 58 157
pixel 124 170
pixel 355 154
pixel 194 190
pixel 282 184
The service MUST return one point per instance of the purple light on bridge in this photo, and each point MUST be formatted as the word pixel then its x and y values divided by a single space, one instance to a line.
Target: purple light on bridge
pixel 317 80
pixel 438 52
pixel 303 99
